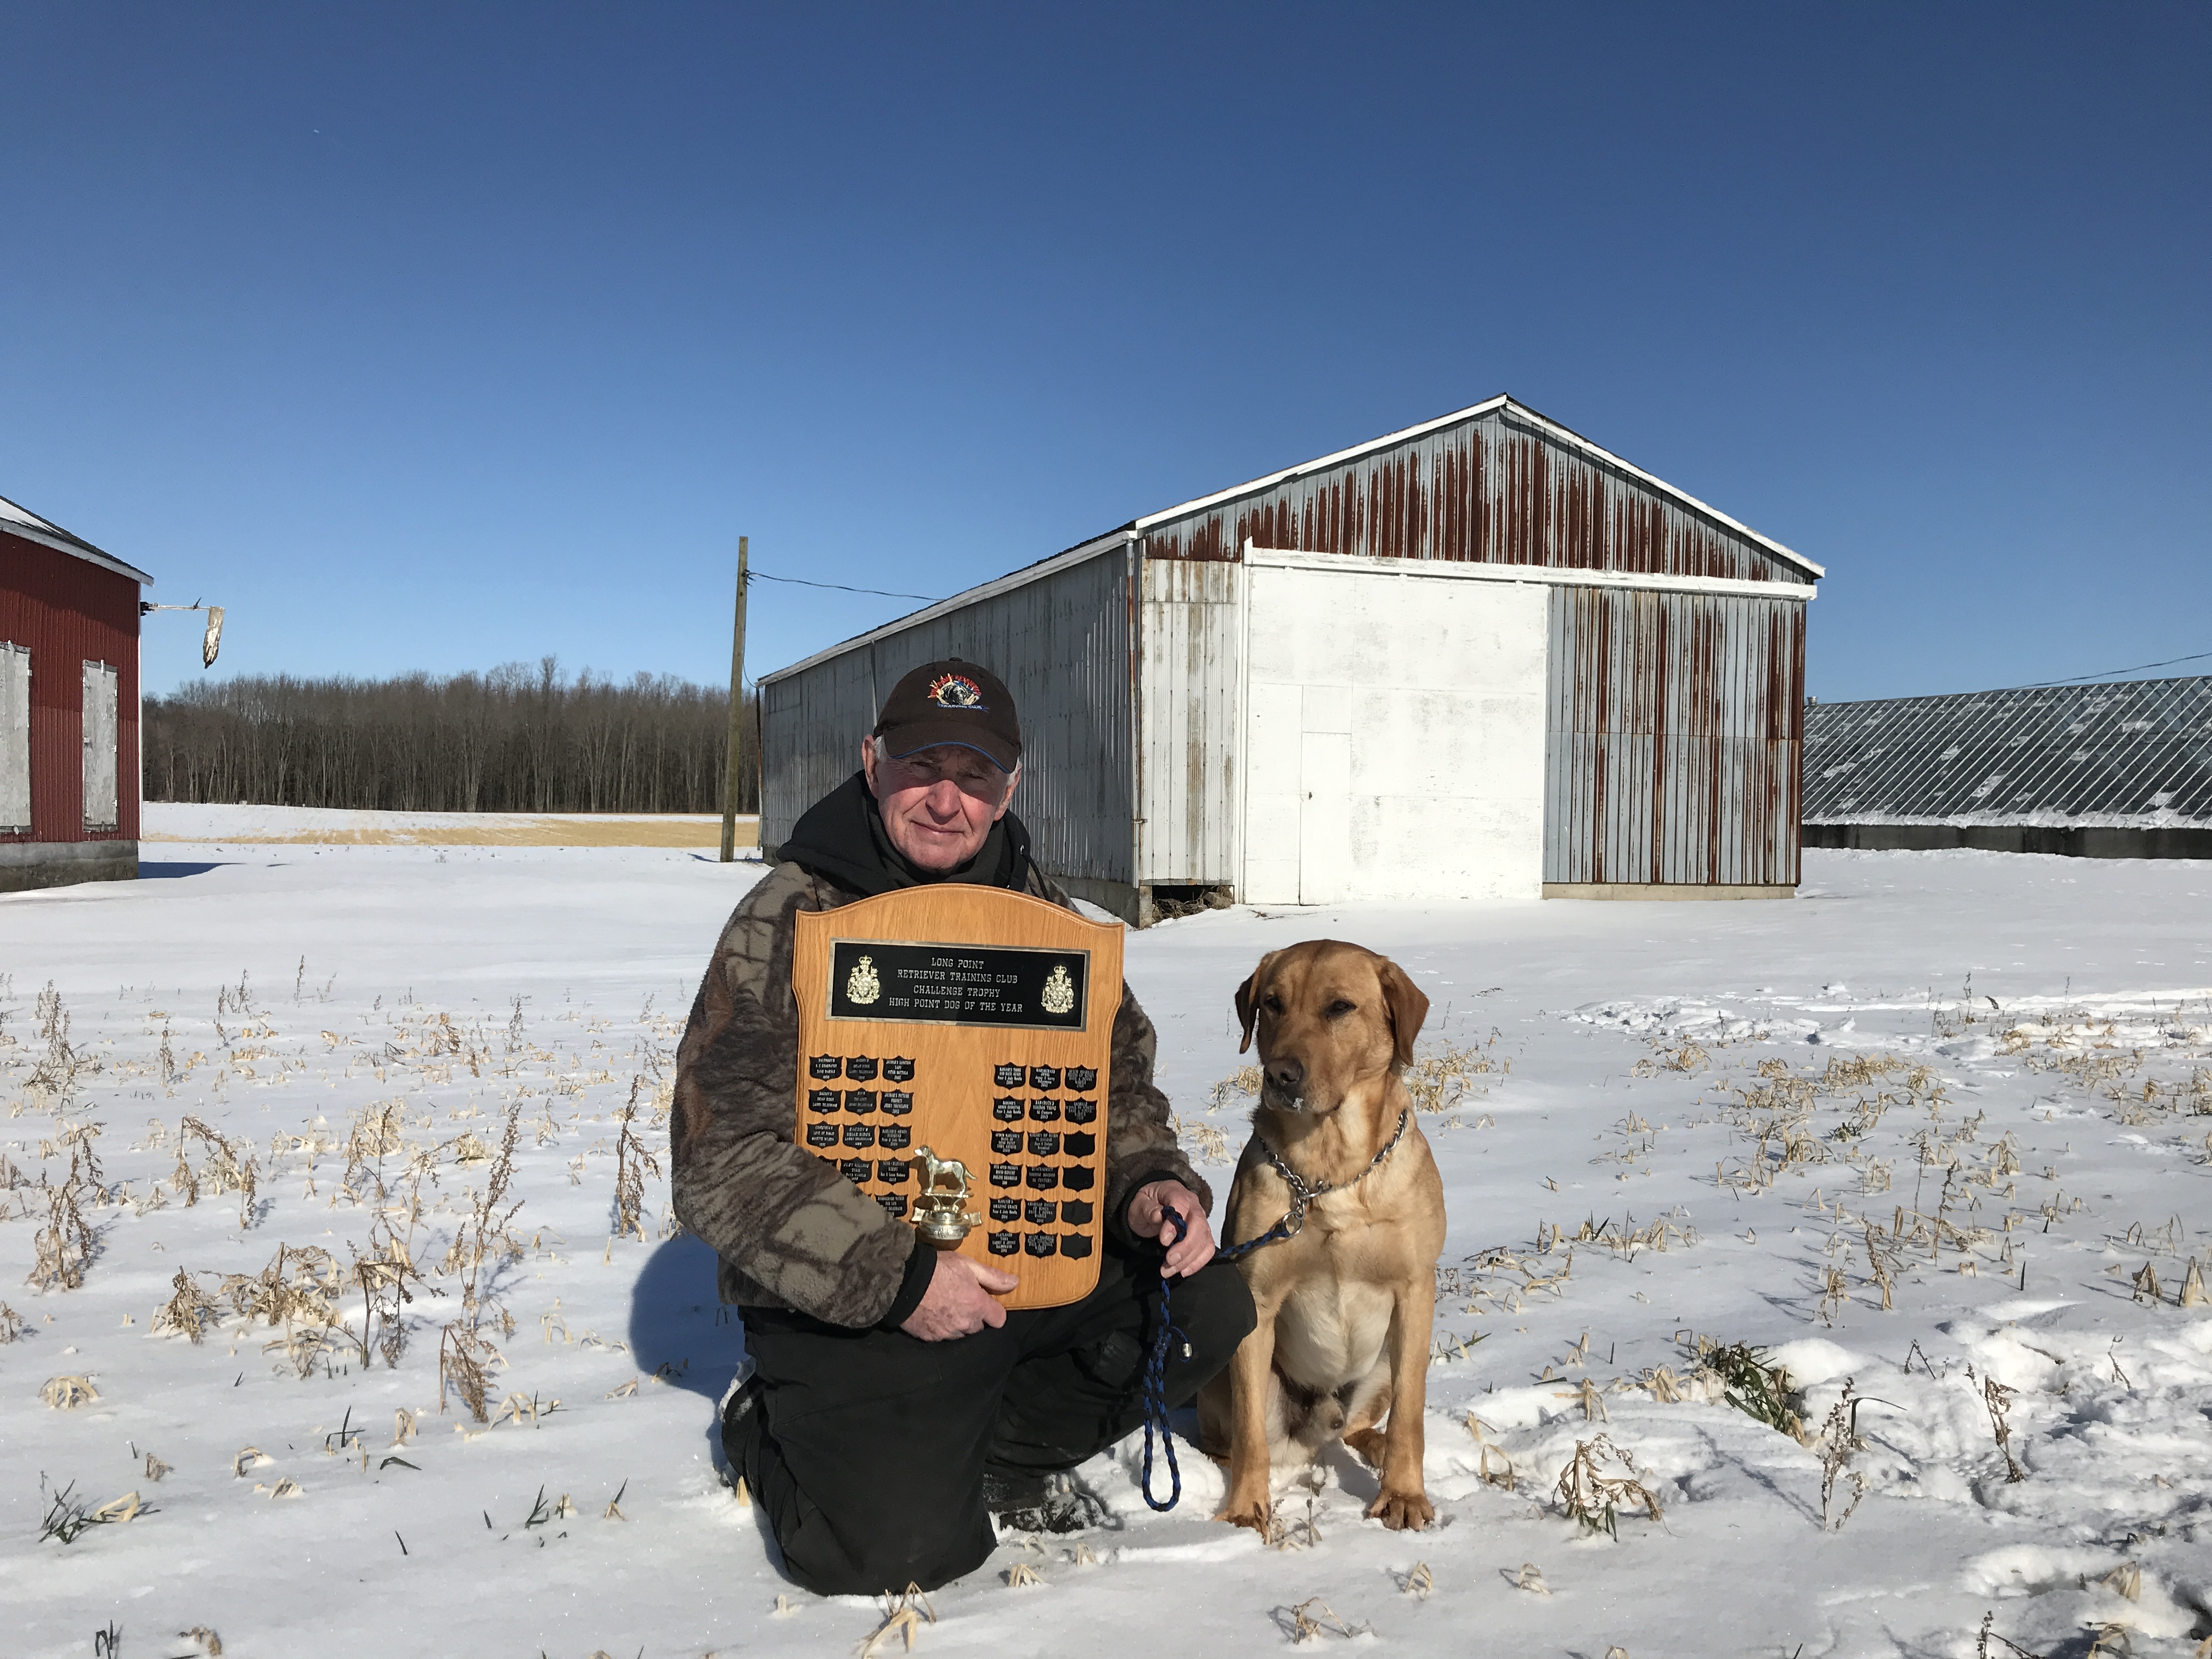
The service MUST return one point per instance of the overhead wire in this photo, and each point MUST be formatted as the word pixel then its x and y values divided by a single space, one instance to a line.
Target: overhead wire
pixel 800 581
pixel 2075 679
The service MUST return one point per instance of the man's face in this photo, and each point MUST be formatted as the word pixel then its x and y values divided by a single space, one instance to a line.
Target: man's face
pixel 938 804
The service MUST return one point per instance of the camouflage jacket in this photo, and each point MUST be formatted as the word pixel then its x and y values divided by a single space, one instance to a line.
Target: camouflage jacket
pixel 790 1230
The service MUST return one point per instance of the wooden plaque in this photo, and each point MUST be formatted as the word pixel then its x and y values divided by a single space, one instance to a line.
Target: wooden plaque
pixel 977 1023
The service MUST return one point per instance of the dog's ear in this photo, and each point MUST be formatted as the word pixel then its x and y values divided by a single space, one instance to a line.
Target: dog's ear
pixel 1247 1001
pixel 1409 1007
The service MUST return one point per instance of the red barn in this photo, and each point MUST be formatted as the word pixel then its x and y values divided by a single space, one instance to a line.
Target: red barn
pixel 68 706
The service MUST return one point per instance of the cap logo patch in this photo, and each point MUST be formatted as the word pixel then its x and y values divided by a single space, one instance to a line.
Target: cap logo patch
pixel 956 691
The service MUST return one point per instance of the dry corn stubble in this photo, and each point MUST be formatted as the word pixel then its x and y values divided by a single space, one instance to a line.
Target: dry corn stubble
pixel 2192 1295
pixel 66 1394
pixel 1593 1495
pixel 903 1616
pixel 1305 1623
pixel 67 1243
pixel 228 1167
pixel 189 1311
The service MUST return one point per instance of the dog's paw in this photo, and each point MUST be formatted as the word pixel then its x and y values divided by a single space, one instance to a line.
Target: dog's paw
pixel 1247 1514
pixel 1370 1444
pixel 1402 1511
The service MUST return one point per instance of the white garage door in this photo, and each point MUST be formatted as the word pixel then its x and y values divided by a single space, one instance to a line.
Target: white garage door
pixel 98 746
pixel 1394 731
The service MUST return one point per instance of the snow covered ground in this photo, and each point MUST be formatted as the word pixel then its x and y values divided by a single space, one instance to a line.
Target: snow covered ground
pixel 1978 1087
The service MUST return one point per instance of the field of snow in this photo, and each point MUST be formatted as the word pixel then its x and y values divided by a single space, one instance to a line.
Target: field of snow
pixel 1933 1129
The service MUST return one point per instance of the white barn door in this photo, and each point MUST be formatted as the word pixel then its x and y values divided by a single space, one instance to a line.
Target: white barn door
pixel 1324 794
pixel 100 739
pixel 14 738
pixel 1395 732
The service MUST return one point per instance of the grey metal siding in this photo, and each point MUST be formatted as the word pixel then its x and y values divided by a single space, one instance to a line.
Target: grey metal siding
pixel 1192 639
pixel 1496 488
pixel 1060 643
pixel 1673 748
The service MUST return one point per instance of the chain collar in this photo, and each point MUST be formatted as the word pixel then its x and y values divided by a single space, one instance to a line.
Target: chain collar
pixel 1303 1193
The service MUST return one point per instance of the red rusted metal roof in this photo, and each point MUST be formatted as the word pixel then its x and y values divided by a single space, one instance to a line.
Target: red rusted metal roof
pixel 1497 482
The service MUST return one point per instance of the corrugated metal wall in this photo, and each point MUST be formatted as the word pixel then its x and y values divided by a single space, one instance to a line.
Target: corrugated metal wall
pixel 71 612
pixel 1193 715
pixel 1494 488
pixel 1061 645
pixel 1674 752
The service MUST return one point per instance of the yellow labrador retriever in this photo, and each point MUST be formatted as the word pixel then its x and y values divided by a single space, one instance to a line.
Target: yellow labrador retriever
pixel 1345 1305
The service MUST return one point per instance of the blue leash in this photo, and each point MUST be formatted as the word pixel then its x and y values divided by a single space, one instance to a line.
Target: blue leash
pixel 1303 1193
pixel 1156 1366
pixel 1155 1386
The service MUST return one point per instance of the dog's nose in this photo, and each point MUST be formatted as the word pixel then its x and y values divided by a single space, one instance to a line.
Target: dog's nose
pixel 1287 1073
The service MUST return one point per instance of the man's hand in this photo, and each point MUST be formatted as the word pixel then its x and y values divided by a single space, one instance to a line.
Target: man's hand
pixel 957 1301
pixel 1148 1208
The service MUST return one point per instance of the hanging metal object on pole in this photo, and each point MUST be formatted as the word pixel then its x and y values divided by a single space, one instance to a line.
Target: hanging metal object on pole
pixel 730 773
pixel 211 642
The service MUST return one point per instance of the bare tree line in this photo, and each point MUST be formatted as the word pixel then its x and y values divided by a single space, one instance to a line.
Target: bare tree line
pixel 513 740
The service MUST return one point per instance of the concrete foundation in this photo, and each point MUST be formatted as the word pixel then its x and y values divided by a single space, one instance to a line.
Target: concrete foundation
pixel 1660 890
pixel 27 864
pixel 2088 842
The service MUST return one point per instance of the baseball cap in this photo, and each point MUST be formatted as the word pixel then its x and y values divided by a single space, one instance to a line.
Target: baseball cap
pixel 953 702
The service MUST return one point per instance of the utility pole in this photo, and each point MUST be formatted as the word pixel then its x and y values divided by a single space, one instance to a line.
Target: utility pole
pixel 737 715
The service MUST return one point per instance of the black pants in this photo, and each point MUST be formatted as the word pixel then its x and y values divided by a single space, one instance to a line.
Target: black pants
pixel 867 1449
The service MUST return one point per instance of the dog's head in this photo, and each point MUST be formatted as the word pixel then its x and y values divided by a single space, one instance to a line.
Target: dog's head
pixel 1329 1018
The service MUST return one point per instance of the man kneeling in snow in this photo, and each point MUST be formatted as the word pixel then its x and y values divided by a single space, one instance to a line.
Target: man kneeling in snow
pixel 894 1407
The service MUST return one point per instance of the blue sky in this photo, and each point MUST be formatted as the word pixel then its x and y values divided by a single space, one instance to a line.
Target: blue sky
pixel 442 337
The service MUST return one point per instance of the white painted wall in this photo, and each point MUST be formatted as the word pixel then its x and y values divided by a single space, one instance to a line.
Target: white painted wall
pixel 1394 731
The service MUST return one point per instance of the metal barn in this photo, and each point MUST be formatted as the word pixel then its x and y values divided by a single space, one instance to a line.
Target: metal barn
pixel 1478 657
pixel 68 706
pixel 2094 771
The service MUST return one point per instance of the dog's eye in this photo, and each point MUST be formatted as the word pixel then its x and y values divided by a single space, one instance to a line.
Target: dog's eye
pixel 1272 1003
pixel 1339 1008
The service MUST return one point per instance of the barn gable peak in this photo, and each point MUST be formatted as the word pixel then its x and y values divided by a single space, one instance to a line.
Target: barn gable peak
pixel 1496 482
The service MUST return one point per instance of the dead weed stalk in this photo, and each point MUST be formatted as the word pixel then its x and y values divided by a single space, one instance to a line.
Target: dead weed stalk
pixel 633 1162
